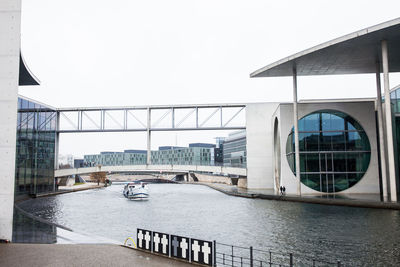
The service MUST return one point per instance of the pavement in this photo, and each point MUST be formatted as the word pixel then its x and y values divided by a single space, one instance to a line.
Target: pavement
pixel 349 200
pixel 80 255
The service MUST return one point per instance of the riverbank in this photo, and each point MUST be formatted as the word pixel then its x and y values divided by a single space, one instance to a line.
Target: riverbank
pixel 80 255
pixel 69 189
pixel 360 202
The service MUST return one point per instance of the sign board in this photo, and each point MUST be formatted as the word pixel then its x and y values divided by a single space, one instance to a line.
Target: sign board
pixel 144 239
pixel 201 251
pixel 161 243
pixel 180 247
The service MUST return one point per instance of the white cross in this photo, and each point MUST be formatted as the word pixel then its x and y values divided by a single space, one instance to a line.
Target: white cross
pixel 147 238
pixel 184 247
pixel 196 250
pixel 140 237
pixel 206 251
pixel 156 242
pixel 164 242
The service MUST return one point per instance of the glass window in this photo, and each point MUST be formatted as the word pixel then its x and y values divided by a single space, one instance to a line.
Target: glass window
pixel 340 151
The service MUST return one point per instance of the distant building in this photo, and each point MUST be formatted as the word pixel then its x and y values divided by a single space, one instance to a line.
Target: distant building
pixel 79 163
pixel 195 154
pixel 234 149
pixel 132 157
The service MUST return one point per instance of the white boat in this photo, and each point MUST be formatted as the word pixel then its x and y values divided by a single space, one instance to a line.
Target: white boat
pixel 136 191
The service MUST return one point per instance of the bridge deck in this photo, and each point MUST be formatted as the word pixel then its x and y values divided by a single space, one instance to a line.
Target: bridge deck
pixel 178 169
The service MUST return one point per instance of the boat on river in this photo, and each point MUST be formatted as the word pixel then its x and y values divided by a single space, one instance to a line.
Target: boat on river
pixel 136 191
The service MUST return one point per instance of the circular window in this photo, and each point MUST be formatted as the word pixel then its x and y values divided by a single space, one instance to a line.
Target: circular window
pixel 334 151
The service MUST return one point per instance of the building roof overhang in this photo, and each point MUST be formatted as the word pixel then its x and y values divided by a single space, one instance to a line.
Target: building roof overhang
pixel 355 53
pixel 26 77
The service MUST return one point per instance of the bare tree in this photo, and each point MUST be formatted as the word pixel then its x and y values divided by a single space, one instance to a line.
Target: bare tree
pixel 98 177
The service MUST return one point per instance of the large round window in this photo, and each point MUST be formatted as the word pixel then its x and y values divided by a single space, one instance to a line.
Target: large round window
pixel 334 151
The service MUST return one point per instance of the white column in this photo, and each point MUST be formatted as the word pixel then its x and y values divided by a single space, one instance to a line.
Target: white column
pixel 381 132
pixel 296 132
pixel 388 115
pixel 148 136
pixel 10 29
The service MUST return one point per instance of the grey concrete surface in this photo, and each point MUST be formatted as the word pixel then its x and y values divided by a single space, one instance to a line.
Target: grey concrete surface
pixel 79 255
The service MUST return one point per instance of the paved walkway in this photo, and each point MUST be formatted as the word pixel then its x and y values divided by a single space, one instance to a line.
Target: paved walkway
pixel 80 255
pixel 356 200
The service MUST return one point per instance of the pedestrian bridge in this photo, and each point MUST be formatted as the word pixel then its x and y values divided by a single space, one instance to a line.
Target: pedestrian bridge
pixel 176 169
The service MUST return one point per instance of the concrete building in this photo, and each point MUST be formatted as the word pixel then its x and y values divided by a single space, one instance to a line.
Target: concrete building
pixel 333 146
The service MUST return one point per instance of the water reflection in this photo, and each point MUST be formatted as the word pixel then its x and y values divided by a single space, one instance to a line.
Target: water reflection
pixel 29 230
pixel 356 236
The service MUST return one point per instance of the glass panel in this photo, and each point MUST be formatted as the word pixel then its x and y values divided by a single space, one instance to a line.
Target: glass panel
pixel 326 122
pixel 312 142
pixel 337 123
pixel 329 181
pixel 325 141
pixel 312 163
pixel 338 141
pixel 341 182
pixel 339 162
pixel 313 181
pixel 312 122
pixel 324 183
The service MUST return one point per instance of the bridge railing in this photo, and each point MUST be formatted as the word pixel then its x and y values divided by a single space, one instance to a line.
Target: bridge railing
pixel 216 164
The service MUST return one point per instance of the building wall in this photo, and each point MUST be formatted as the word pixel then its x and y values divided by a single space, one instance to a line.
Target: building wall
pixel 259 135
pixel 10 31
pixel 363 112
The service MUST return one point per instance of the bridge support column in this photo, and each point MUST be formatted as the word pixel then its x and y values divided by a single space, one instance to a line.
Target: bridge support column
pixel 148 162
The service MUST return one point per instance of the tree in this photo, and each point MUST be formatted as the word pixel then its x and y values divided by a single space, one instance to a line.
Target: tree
pixel 99 177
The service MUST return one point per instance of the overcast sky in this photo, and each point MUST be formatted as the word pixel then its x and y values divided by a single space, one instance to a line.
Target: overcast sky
pixel 125 52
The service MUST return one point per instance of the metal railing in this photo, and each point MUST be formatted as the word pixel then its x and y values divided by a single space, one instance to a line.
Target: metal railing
pixel 237 256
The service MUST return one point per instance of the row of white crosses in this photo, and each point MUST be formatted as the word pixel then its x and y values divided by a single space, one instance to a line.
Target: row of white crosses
pixel 196 248
pixel 205 249
pixel 145 237
pixel 164 243
pixel 183 245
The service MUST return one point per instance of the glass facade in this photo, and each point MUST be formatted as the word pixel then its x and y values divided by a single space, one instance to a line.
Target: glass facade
pixel 334 151
pixel 234 150
pixel 36 131
pixel 395 104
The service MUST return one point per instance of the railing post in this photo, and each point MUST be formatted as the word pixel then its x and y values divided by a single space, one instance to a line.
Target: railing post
pixel 251 256
pixel 223 258
pixel 291 260
pixel 215 248
pixel 232 256
pixel 339 264
pixel 270 259
pixel 313 263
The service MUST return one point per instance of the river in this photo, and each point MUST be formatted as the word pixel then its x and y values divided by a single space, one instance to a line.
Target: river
pixel 356 236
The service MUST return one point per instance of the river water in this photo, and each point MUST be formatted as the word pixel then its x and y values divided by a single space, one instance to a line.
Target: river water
pixel 356 236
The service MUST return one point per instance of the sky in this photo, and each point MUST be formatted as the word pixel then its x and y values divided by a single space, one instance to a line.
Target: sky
pixel 126 53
